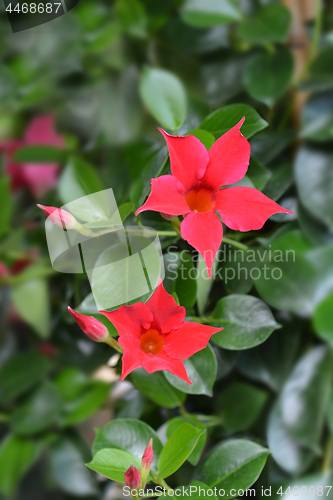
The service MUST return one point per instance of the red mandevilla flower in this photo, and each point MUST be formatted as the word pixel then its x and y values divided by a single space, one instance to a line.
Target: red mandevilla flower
pixel 59 217
pixel 193 190
pixel 132 477
pixel 155 336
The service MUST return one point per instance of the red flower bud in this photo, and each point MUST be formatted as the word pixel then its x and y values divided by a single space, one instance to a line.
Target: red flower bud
pixel 4 271
pixel 93 328
pixel 167 216
pixel 132 477
pixel 59 217
pixel 147 460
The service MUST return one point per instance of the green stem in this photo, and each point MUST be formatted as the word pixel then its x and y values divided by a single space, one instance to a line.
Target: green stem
pixel 114 344
pixel 328 455
pixel 316 32
pixel 167 233
pixel 161 482
pixel 236 244
pixel 183 410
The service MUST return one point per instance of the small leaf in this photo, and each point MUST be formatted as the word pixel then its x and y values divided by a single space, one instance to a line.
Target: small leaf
pixel 209 13
pixel 322 319
pixel 205 137
pixel 164 95
pixel 247 322
pixel 85 404
pixel 258 174
pixel 40 154
pixel 133 17
pixel 223 119
pixel 174 423
pixel 177 449
pixel 113 463
pixel 271 24
pixel 157 388
pixel 186 285
pixel 201 369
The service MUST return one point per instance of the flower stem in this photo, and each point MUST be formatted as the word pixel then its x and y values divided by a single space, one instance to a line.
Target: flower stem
pixel 328 455
pixel 183 410
pixel 114 344
pixel 316 33
pixel 236 244
pixel 161 482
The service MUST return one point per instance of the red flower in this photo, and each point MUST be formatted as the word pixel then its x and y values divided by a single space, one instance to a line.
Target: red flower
pixel 193 190
pixel 132 477
pixel 37 177
pixel 156 337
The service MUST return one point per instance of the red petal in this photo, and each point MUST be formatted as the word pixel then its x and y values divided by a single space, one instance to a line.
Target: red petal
pixel 41 130
pixel 132 354
pixel 229 158
pixel 130 319
pixel 167 195
pixel 203 230
pixel 168 315
pixel 163 362
pixel 188 339
pixel 188 158
pixel 246 209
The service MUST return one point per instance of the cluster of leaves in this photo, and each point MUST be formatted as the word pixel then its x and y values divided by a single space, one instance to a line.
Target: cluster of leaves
pixel 111 75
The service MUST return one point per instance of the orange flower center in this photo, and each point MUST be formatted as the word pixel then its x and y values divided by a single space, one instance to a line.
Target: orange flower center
pixel 152 341
pixel 200 200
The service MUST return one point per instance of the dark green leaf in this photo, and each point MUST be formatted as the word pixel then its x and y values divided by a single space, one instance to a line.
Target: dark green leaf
pixel 40 154
pixel 201 369
pixel 85 404
pixel 223 119
pixel 271 24
pixel 322 319
pixel 6 205
pixel 133 17
pixel 210 12
pixel 281 180
pixel 31 300
pixel 247 322
pixel 317 118
pixel 186 285
pixel 258 174
pixel 157 388
pixel 205 137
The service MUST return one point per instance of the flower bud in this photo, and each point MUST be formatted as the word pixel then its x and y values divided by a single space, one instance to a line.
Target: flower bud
pixel 167 216
pixel 4 271
pixel 147 460
pixel 60 217
pixel 132 477
pixel 93 328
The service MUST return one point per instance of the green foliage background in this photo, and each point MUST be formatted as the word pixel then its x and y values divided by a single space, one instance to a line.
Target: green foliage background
pixel 111 73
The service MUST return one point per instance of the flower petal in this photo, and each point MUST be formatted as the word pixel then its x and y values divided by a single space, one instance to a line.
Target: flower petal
pixel 162 361
pixel 188 339
pixel 203 230
pixel 229 159
pixel 168 315
pixel 132 354
pixel 130 320
pixel 188 158
pixel 246 209
pixel 41 130
pixel 167 195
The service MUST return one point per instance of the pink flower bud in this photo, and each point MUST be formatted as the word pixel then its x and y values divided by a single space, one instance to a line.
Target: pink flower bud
pixel 59 217
pixel 132 477
pixel 147 460
pixel 93 328
pixel 4 271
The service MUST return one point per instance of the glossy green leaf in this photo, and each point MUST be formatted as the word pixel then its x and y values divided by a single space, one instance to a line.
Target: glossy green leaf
pixel 178 447
pixel 267 76
pixel 209 13
pixel 174 423
pixel 247 322
pixel 317 118
pixel 40 154
pixel 38 412
pixel 314 179
pixel 17 455
pixel 164 95
pixel 280 181
pixel 201 369
pixel 266 146
pixel 322 319
pixel 31 300
pixel 6 205
pixel 128 434
pixel 205 137
pixel 113 463
pixel 235 464
pixel 186 284
pixel 315 231
pixel 79 180
pixel 270 24
pixel 223 119
pixel 21 373
pixel 133 17
pixel 85 404
pixel 258 174
pixel 240 405
pixel 68 469
pixel 155 387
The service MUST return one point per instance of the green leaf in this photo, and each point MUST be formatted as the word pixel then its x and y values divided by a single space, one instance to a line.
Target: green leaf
pixel 177 449
pixel 38 412
pixel 21 373
pixel 314 180
pixel 174 423
pixel 271 24
pixel 133 17
pixel 40 154
pixel 31 300
pixel 223 119
pixel 247 322
pixel 313 229
pixel 155 387
pixel 209 13
pixel 17 455
pixel 6 205
pixel 186 284
pixel 85 404
pixel 124 210
pixel 78 180
pixel 322 319
pixel 235 464
pixel 267 76
pixel 201 369
pixel 113 463
pixel 128 434
pixel 205 137
pixel 281 180
pixel 258 174
pixel 240 405
pixel 67 460
pixel 204 284
pixel 164 96
pixel 267 145
pixel 317 118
